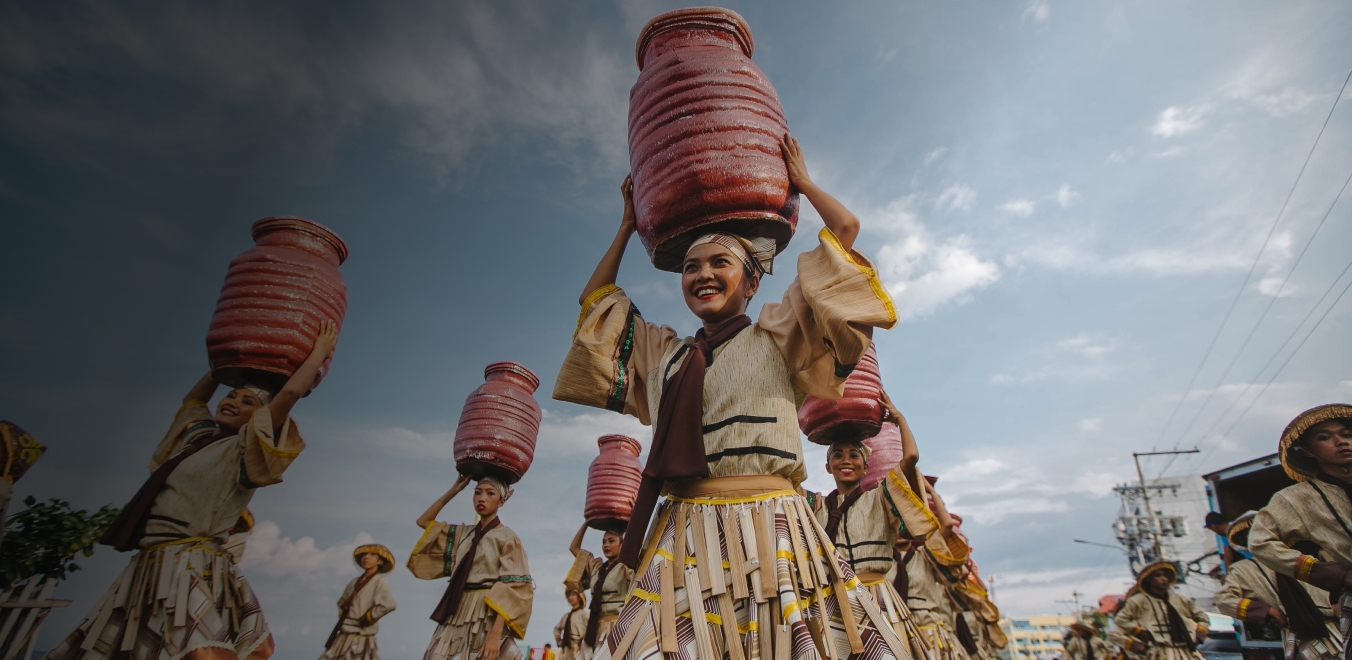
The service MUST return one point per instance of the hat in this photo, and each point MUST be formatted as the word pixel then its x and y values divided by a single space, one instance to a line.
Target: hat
pixel 1156 567
pixel 1304 468
pixel 1082 627
pixel 1214 518
pixel 378 550
pixel 1239 529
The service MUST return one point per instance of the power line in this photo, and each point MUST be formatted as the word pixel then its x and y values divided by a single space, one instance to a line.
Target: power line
pixel 1228 312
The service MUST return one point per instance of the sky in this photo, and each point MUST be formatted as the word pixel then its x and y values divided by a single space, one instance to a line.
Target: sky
pixel 1064 199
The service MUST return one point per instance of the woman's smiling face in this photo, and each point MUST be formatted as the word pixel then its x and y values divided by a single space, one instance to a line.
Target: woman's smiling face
pixel 715 283
pixel 236 408
pixel 846 463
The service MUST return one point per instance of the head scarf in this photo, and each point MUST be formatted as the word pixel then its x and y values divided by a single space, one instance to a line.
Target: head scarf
pixel 857 444
pixel 386 557
pixel 757 254
pixel 1298 466
pixel 503 489
pixel 262 394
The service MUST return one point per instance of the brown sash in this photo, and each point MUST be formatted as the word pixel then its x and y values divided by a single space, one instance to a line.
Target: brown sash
pixel 836 510
pixel 450 601
pixel 594 621
pixel 130 525
pixel 347 602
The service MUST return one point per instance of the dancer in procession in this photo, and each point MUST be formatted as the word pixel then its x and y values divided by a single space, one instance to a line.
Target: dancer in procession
pixel 182 595
pixel 726 450
pixel 925 561
pixel 366 599
pixel 1305 531
pixel 1262 597
pixel 1085 644
pixel 865 524
pixel 1156 623
pixel 572 627
pixel 488 600
pixel 608 581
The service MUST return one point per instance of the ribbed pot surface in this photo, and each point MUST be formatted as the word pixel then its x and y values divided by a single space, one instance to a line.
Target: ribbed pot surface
pixel 885 453
pixel 857 414
pixel 612 483
pixel 499 424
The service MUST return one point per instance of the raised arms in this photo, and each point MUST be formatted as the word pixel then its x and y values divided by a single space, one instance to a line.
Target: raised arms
pixel 910 452
pixel 609 267
pixel 838 219
pixel 431 513
pixel 576 546
pixel 202 391
pixel 299 383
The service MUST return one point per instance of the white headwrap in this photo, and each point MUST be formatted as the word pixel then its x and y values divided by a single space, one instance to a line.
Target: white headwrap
pixel 503 489
pixel 262 394
pixel 757 254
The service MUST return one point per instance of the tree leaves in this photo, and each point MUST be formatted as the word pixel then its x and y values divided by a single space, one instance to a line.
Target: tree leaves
pixel 44 539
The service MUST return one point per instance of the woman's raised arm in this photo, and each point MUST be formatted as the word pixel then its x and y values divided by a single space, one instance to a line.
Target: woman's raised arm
pixel 609 267
pixel 431 513
pixel 838 219
pixel 202 391
pixel 299 383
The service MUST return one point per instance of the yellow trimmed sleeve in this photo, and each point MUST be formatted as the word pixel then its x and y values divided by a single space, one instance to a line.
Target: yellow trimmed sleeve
pixel 949 552
pixel 580 574
pixel 825 321
pixel 430 559
pixel 267 454
pixel 187 418
pixel 1277 528
pixel 513 595
pixel 907 506
pixel 613 351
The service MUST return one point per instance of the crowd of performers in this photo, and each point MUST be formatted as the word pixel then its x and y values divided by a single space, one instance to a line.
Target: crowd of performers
pixel 736 560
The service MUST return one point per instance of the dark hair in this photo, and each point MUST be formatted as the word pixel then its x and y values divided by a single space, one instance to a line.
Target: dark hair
pixel 1213 518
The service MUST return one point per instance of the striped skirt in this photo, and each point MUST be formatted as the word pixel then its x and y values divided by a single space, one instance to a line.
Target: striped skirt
pixel 894 609
pixel 769 582
pixel 939 638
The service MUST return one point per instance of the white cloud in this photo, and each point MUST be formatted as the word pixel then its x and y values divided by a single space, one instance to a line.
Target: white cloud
pixel 1076 358
pixel 560 435
pixel 1175 121
pixel 1091 424
pixel 935 155
pixel 1087 345
pixel 1272 286
pixel 273 555
pixel 1019 207
pixel 957 197
pixel 1038 10
pixel 973 469
pixel 1263 83
pixel 1172 152
pixel 1065 195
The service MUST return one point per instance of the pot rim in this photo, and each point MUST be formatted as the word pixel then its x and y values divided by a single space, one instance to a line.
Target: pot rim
pixel 276 222
pixel 622 439
pixel 716 18
pixel 516 368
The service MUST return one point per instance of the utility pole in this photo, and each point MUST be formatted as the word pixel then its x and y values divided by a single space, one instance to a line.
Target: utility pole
pixel 1145 496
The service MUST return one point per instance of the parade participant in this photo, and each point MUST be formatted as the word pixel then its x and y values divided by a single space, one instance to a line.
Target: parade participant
pixel 1156 623
pixel 182 595
pixel 864 524
pixel 487 603
pixel 1263 598
pixel 1085 644
pixel 926 562
pixel 980 616
pixel 366 599
pixel 571 628
pixel 608 580
pixel 726 447
pixel 1316 451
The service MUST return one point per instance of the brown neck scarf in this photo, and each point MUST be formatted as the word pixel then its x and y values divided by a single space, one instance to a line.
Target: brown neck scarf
pixel 347 602
pixel 902 581
pixel 1178 631
pixel 835 510
pixel 594 621
pixel 965 636
pixel 450 601
pixel 567 641
pixel 130 525
pixel 677 451
pixel 1304 617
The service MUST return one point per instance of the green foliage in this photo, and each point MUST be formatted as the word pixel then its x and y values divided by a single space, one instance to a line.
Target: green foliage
pixel 44 539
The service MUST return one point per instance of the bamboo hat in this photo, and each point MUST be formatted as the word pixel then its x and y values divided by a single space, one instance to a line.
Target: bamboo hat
pixel 1155 568
pixel 386 557
pixel 1239 529
pixel 1082 627
pixel 1297 466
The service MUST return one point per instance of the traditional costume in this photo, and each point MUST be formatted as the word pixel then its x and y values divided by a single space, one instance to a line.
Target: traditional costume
pixel 570 631
pixel 1305 531
pixel 182 590
pixel 1166 625
pixel 489 578
pixel 608 582
pixel 927 594
pixel 979 615
pixel 1087 648
pixel 366 599
pixel 726 453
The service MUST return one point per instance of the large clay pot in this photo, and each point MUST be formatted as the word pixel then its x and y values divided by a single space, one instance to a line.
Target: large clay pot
pixel 704 131
pixel 856 415
pixel 612 483
pixel 885 452
pixel 498 425
pixel 274 298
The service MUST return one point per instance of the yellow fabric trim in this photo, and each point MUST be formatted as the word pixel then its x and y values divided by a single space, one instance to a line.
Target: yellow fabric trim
pixel 912 496
pixel 751 626
pixel 944 556
pixel 851 585
pixel 1303 567
pixel 190 539
pixel 646 595
pixel 731 500
pixel 279 453
pixel 708 616
pixel 804 603
pixel 517 630
pixel 418 546
pixel 1242 609
pixel 785 554
pixel 873 583
pixel 592 299
pixel 829 237
pixel 689 561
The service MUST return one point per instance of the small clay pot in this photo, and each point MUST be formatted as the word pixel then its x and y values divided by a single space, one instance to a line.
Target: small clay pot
pixel 856 415
pixel 885 452
pixel 612 483
pixel 499 424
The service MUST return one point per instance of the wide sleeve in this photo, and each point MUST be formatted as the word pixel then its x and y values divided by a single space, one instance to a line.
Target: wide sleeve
pixel 1190 610
pixel 433 553
pixel 558 628
pixel 1275 530
pixel 952 551
pixel 1128 623
pixel 907 510
pixel 268 454
pixel 512 595
pixel 384 601
pixel 825 321
pixel 190 417
pixel 1235 600
pixel 581 573
pixel 613 352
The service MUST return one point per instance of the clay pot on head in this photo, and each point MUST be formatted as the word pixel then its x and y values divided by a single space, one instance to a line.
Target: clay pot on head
pixel 612 483
pixel 885 452
pixel 274 298
pixel 704 131
pixel 499 424
pixel 856 415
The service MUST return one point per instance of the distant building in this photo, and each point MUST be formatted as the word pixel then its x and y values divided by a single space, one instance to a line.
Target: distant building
pixel 1109 603
pixel 1035 637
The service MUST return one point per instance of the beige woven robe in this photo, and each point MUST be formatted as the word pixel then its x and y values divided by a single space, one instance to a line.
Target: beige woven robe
pixel 499 585
pixel 361 620
pixel 928 597
pixel 1307 511
pixel 1250 589
pixel 1078 649
pixel 1143 612
pixel 182 590
pixel 576 622
pixel 614 591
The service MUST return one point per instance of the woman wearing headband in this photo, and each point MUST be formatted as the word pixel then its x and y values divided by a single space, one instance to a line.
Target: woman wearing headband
pixel 608 581
pixel 487 603
pixel 572 627
pixel 726 450
pixel 182 596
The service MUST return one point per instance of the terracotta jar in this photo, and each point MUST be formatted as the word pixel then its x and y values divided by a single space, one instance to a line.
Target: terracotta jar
pixel 499 423
pixel 884 453
pixel 704 131
pixel 274 297
pixel 612 483
pixel 857 414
